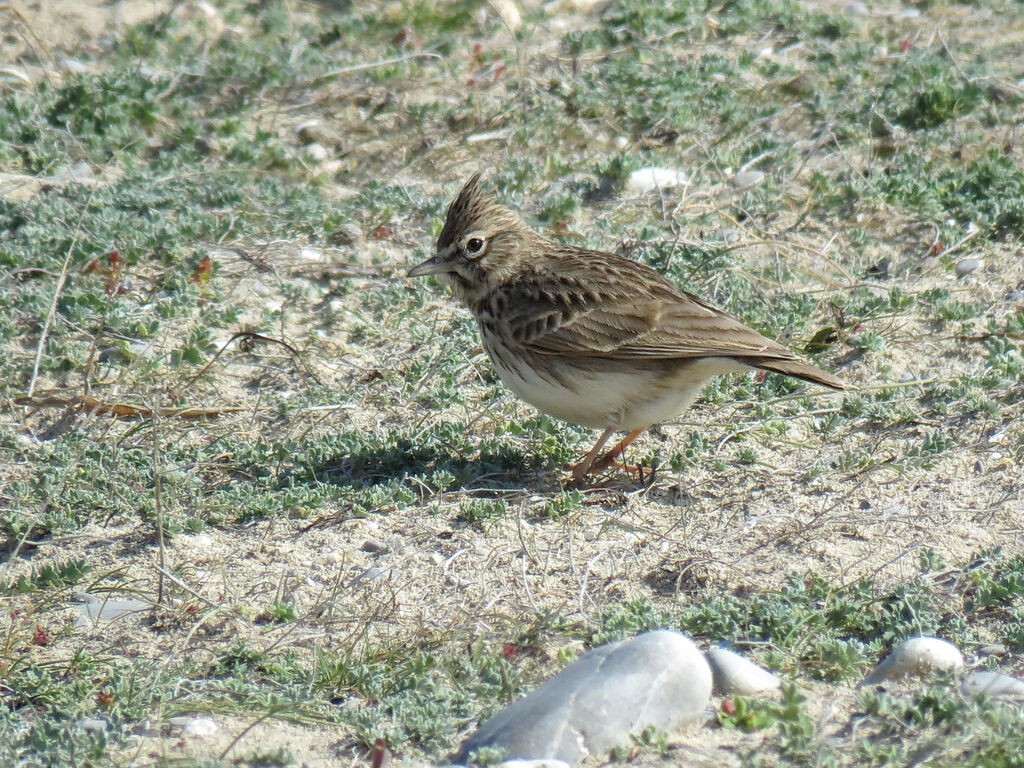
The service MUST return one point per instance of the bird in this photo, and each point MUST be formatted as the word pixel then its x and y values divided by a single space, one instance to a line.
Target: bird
pixel 590 337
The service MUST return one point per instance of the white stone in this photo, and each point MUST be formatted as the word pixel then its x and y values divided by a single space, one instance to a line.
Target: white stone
pixel 651 179
pixel 734 674
pixel 917 656
pixel 548 763
pixel 195 727
pixel 201 541
pixel 658 679
pixel 509 13
pixel 316 152
pixel 477 138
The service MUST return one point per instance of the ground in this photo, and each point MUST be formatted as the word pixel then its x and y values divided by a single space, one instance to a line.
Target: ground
pixel 354 531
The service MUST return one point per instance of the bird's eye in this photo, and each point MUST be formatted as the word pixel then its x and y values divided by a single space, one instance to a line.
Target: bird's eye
pixel 474 244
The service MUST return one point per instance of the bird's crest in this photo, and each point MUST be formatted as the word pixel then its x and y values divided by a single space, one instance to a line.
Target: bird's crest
pixel 471 206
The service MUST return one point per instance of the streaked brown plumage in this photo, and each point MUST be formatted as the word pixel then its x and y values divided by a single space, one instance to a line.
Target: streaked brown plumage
pixel 586 336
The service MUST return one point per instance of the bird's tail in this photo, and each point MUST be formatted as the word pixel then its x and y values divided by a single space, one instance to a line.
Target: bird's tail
pixel 798 369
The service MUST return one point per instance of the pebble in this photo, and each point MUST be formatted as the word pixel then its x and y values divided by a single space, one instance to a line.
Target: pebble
pixel 993 684
pixel 734 674
pixel 316 152
pixel 374 573
pixel 113 355
pixel 194 726
pixel 658 679
pixel 201 541
pixel 509 13
pixel 651 179
pixel 964 267
pixel 747 179
pixel 95 608
pixel 477 138
pixel 93 724
pixel 533 764
pixel 312 132
pixel 993 649
pixel 74 65
pixel 374 545
pixel 917 656
pixel 211 16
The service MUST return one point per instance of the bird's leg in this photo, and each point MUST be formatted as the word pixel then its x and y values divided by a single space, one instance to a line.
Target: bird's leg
pixel 581 470
pixel 610 457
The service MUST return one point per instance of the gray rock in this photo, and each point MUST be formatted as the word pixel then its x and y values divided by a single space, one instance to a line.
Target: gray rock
pixel 964 267
pixel 658 679
pixel 917 656
pixel 733 674
pixel 993 684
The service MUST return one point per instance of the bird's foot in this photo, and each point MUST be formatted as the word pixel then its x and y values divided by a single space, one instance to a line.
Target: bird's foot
pixel 644 474
pixel 583 476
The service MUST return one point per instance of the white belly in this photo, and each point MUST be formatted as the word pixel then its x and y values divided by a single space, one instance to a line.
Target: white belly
pixel 627 397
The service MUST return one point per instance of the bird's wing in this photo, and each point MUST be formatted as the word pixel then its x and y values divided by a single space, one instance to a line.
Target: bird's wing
pixel 627 312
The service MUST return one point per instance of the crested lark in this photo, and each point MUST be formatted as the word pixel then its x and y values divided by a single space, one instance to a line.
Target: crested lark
pixel 589 337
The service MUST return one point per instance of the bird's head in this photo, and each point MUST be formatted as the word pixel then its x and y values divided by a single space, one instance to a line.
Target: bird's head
pixel 482 244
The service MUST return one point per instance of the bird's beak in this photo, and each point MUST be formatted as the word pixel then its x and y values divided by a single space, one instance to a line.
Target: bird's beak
pixel 434 265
